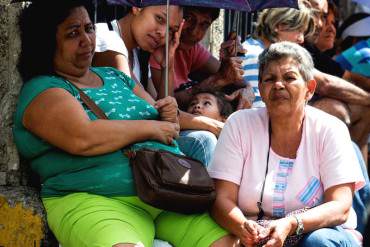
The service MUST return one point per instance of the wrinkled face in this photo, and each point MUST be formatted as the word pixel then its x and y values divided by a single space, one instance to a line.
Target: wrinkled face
pixel 320 11
pixel 75 43
pixel 283 89
pixel 326 38
pixel 295 36
pixel 321 5
pixel 195 27
pixel 149 25
pixel 205 104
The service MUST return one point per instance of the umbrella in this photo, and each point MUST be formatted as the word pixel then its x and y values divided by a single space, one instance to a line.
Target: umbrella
pixel 241 5
pixel 221 4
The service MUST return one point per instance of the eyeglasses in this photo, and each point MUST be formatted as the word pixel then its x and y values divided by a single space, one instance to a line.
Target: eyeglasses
pixel 261 213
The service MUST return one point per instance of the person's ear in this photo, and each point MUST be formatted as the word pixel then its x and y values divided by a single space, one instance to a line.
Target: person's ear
pixel 311 87
pixel 136 10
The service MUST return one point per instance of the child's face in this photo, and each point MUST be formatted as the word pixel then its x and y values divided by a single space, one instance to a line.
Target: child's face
pixel 205 104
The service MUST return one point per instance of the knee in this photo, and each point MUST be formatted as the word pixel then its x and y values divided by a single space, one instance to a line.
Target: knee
pixel 326 237
pixel 226 241
pixel 206 138
pixel 335 108
pixel 199 145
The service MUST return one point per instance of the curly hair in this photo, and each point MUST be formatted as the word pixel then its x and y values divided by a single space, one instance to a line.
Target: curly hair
pixel 38 24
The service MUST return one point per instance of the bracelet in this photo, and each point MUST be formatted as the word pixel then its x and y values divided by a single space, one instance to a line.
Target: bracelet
pixel 186 86
pixel 300 227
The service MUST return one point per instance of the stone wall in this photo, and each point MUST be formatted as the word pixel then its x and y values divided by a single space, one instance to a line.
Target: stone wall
pixel 22 221
pixel 215 35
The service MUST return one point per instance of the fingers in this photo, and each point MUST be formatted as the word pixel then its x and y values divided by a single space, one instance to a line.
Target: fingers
pixel 177 35
pixel 250 227
pixel 165 101
pixel 232 96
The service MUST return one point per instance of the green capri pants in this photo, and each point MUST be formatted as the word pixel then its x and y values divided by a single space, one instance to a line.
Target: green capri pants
pixel 82 219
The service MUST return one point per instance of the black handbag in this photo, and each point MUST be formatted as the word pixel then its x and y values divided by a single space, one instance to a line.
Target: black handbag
pixel 166 180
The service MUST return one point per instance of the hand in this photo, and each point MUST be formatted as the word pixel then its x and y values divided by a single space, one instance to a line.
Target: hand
pixel 231 47
pixel 245 97
pixel 165 132
pixel 252 233
pixel 231 72
pixel 160 53
pixel 279 231
pixel 168 109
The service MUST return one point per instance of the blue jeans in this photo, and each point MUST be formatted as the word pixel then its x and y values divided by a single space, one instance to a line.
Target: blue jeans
pixel 198 144
pixel 328 237
pixel 361 198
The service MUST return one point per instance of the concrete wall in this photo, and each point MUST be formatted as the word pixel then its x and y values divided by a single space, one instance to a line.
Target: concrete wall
pixel 22 220
pixel 215 35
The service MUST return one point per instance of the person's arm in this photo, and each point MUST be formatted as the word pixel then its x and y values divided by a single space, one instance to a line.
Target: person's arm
pixel 159 55
pixel 58 118
pixel 142 93
pixel 193 122
pixel 337 88
pixel 112 59
pixel 357 79
pixel 228 215
pixel 159 79
pixel 333 212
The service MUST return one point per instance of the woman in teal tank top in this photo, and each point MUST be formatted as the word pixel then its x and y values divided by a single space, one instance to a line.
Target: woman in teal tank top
pixel 87 185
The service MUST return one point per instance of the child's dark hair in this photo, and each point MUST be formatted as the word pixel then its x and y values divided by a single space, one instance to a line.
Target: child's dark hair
pixel 224 106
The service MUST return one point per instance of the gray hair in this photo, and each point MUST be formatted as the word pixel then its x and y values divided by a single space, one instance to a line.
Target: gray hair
pixel 287 49
pixel 292 19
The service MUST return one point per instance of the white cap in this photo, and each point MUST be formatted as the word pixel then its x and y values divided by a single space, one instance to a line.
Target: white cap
pixel 366 3
pixel 360 28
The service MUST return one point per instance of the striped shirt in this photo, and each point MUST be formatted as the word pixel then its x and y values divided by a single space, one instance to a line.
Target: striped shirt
pixel 254 48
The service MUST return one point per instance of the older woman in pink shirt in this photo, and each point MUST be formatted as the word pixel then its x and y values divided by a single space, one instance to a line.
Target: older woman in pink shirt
pixel 288 156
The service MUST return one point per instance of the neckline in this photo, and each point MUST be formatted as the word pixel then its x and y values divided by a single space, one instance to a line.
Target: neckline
pixel 300 143
pixel 95 71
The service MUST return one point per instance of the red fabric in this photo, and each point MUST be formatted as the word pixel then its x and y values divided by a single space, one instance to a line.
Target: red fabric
pixel 186 62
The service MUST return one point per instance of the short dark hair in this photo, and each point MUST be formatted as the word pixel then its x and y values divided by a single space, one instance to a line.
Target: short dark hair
pixel 38 24
pixel 213 12
pixel 224 106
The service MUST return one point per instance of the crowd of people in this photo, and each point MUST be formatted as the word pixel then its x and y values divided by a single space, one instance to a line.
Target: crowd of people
pixel 283 129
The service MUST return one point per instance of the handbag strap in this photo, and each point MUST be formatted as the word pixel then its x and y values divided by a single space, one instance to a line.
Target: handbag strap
pixel 90 103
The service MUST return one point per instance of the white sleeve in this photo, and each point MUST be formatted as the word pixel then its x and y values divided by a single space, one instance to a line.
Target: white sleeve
pixel 109 40
pixel 228 160
pixel 338 160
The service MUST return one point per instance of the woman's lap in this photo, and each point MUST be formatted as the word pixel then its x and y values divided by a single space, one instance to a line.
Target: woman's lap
pixel 184 230
pixel 83 219
pixel 328 237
